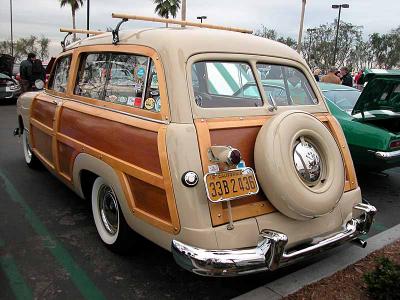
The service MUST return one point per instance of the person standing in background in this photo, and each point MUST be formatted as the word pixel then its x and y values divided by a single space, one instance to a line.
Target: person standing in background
pixel 346 77
pixel 25 71
pixel 331 77
pixel 38 72
pixel 317 71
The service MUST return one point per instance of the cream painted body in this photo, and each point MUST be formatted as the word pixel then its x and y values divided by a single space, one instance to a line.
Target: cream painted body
pixel 178 49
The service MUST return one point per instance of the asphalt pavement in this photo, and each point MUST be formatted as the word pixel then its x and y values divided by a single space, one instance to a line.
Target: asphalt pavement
pixel 49 246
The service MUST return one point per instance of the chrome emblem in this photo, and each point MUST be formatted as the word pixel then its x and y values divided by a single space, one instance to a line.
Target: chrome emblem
pixel 307 162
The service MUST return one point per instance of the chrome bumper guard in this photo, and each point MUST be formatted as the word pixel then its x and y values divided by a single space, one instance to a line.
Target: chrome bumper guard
pixel 270 252
pixel 387 155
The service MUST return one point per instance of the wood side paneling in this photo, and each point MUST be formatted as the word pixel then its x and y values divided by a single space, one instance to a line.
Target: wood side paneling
pixel 242 138
pixel 133 145
pixel 43 112
pixel 42 143
pixel 150 199
pixel 66 156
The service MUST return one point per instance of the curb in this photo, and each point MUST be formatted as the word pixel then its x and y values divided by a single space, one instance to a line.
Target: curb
pixel 340 259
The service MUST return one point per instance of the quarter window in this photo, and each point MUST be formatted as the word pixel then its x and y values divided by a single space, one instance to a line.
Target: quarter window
pixel 224 84
pixel 120 79
pixel 59 80
pixel 285 85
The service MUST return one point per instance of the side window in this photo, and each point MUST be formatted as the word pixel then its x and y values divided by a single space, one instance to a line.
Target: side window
pixel 286 85
pixel 59 80
pixel 119 78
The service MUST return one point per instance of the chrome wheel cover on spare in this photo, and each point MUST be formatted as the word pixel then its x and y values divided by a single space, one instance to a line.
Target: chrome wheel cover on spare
pixel 299 165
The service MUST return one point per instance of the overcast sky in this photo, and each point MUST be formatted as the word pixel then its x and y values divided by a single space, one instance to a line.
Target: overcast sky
pixel 37 17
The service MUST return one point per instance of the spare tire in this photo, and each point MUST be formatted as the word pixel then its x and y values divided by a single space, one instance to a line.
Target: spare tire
pixel 299 165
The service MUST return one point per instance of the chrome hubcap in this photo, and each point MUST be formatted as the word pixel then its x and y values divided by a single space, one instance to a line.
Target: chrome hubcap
pixel 307 162
pixel 108 207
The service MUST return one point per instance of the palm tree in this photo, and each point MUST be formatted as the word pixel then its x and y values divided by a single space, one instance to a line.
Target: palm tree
pixel 165 8
pixel 75 5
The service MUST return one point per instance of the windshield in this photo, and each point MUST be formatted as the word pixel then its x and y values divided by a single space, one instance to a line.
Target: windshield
pixel 344 99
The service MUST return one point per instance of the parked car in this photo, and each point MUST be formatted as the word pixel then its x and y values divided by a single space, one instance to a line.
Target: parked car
pixel 9 88
pixel 370 120
pixel 230 183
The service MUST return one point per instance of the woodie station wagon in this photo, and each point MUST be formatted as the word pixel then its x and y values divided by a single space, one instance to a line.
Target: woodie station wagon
pixel 172 133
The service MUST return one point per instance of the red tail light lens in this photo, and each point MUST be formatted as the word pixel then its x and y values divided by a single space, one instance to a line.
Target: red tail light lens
pixel 395 144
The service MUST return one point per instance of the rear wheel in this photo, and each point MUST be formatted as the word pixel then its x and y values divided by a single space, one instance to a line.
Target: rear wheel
pixel 31 160
pixel 108 217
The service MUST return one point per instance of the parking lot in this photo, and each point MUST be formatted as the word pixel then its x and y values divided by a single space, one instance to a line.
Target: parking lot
pixel 49 246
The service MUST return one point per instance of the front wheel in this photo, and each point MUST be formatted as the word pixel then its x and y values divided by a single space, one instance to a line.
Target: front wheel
pixel 108 218
pixel 31 160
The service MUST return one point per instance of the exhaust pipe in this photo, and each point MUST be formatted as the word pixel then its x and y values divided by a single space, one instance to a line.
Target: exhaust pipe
pixel 17 132
pixel 359 242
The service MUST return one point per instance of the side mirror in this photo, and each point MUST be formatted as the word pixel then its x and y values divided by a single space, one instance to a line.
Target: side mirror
pixel 39 84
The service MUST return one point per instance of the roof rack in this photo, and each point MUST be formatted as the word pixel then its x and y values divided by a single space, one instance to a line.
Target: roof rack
pixel 71 31
pixel 126 17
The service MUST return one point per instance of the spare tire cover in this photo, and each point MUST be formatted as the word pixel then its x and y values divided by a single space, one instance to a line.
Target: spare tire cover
pixel 299 165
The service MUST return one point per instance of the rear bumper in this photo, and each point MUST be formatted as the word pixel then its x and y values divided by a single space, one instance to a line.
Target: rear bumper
pixel 270 253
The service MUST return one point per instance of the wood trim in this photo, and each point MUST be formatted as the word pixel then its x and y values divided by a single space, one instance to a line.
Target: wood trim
pixel 56 126
pixel 218 213
pixel 344 149
pixel 164 114
pixel 42 127
pixel 162 153
pixel 43 159
pixel 153 220
pixel 112 116
pixel 221 123
pixel 118 164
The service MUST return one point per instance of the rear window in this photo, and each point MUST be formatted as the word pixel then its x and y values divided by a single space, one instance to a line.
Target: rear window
pixel 286 85
pixel 224 84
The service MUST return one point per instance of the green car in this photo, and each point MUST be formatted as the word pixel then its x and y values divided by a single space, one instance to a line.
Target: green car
pixel 370 120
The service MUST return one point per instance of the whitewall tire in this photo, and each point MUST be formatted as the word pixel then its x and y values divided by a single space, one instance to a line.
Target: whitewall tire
pixel 108 218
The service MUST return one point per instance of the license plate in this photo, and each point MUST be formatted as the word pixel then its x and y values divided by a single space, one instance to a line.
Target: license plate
pixel 229 185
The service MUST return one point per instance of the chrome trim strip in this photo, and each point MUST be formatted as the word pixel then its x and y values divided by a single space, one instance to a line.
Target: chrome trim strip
pixel 111 109
pixel 269 253
pixel 387 155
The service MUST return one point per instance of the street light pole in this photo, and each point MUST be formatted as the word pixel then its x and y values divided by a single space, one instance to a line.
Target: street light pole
pixel 12 37
pixel 337 6
pixel 303 7
pixel 201 18
pixel 310 32
pixel 88 16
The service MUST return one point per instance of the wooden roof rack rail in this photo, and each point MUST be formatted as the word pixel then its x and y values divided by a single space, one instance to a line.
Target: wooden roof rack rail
pixel 70 31
pixel 126 17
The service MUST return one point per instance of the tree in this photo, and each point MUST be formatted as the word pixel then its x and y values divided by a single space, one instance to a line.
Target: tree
pixel 75 5
pixel 22 46
pixel 165 8
pixel 272 34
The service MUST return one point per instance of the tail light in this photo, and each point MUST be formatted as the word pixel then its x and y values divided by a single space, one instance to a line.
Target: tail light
pixel 395 144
